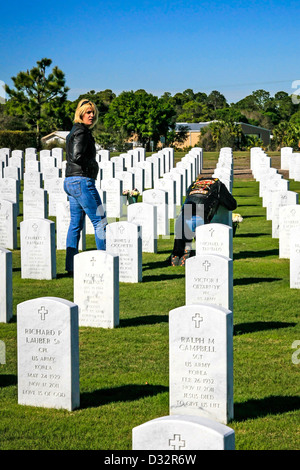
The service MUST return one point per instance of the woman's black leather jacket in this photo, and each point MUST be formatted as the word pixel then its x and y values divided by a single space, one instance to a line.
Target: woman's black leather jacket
pixel 81 152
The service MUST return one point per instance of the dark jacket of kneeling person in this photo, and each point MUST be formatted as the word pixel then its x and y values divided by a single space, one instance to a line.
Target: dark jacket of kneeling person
pixel 204 196
pixel 212 193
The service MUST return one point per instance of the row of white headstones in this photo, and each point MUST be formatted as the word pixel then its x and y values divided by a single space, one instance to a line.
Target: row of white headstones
pixel 201 358
pixel 281 204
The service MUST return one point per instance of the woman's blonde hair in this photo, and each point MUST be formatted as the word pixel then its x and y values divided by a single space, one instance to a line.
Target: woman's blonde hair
pixel 82 107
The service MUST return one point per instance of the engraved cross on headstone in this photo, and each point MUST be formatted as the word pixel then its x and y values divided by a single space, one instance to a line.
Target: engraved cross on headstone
pixel 197 318
pixel 93 261
pixel 176 443
pixel 42 311
pixel 206 265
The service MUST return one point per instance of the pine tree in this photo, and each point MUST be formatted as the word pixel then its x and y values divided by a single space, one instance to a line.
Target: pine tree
pixel 36 94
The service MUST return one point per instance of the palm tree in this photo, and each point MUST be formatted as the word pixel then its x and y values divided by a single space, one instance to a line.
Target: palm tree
pixel 280 133
pixel 216 132
pixel 253 141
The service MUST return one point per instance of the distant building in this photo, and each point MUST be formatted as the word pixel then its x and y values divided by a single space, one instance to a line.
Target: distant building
pixel 56 136
pixel 194 130
pixel 256 131
pixel 59 137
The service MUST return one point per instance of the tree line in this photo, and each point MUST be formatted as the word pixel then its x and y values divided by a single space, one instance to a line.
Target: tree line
pixel 38 102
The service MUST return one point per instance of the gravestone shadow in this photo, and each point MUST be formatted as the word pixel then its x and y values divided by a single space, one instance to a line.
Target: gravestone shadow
pixel 272 405
pixel 156 264
pixel 143 320
pixel 254 280
pixel 252 327
pixel 6 380
pixel 130 392
pixel 255 254
pixel 251 235
pixel 161 277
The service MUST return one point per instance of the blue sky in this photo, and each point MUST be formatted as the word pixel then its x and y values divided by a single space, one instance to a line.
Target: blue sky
pixel 235 47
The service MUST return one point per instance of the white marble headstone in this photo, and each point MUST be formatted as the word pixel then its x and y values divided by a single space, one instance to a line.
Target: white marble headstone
pixel 48 353
pixel 201 362
pixel 159 198
pixel 62 226
pixel 295 258
pixel 8 224
pixel 32 165
pixel 168 185
pixel 214 239
pixel 279 199
pixel 182 433
pixel 148 168
pixel 96 288
pixel 176 176
pixel 209 279
pixel 9 189
pixel 125 240
pixel 35 204
pixel 289 218
pixel 56 192
pixel 58 153
pixel 12 172
pixel 114 199
pixel 38 256
pixel 6 298
pixel 33 179
pixel 285 153
pixel 145 215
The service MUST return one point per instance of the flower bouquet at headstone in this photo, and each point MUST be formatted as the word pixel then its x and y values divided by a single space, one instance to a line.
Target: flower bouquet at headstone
pixel 236 220
pixel 132 196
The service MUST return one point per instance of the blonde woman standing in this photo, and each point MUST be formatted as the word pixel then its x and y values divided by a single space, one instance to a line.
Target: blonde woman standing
pixel 81 173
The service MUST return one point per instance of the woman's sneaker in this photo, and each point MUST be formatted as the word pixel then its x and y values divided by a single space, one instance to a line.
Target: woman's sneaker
pixel 174 260
pixel 184 257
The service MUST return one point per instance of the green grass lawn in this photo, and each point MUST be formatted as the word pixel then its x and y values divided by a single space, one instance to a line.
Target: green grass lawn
pixel 124 371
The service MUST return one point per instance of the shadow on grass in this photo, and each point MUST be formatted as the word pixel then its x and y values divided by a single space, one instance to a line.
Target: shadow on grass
pixel 236 195
pixel 156 265
pixel 252 327
pixel 249 205
pixel 251 235
pixel 162 277
pixel 124 393
pixel 144 320
pixel 256 254
pixel 62 275
pixel 258 408
pixel 6 380
pixel 254 280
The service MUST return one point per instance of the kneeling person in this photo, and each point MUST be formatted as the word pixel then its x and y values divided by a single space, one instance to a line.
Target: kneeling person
pixel 204 196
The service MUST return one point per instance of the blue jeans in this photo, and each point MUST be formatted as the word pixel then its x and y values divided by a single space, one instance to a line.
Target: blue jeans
pixel 185 226
pixel 84 199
